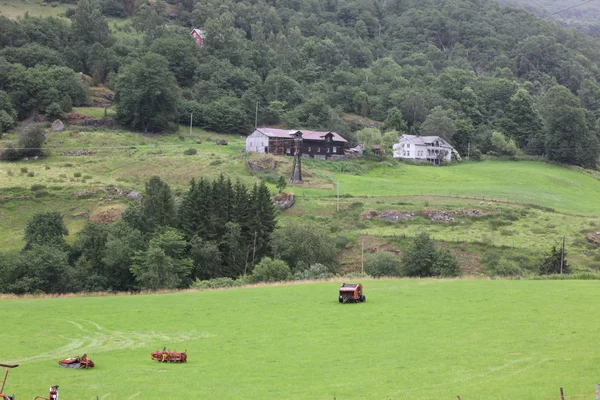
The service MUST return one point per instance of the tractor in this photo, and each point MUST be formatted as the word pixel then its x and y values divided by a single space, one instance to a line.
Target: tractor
pixel 351 293
pixel 169 356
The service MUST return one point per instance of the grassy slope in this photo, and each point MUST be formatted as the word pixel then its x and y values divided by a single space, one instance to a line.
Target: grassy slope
pixel 126 160
pixel 419 339
pixel 35 8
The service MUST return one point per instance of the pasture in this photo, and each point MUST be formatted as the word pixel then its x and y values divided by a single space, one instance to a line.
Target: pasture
pixel 412 339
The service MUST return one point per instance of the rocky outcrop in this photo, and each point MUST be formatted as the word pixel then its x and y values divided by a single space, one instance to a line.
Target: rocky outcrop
pixel 283 200
pixel 58 126
pixel 389 215
pixel 448 216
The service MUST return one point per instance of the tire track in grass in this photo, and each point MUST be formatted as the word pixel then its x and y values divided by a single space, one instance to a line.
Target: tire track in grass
pixel 100 339
pixel 488 375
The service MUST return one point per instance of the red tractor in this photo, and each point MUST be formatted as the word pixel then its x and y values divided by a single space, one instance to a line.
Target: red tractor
pixel 169 356
pixel 351 293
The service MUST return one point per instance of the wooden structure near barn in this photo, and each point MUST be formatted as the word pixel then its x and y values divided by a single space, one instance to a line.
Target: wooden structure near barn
pixel 313 144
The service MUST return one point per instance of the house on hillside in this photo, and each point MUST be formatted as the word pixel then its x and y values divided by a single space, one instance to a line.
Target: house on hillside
pixel 314 144
pixel 199 35
pixel 431 149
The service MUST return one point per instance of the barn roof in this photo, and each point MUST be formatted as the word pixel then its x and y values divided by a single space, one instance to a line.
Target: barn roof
pixel 311 135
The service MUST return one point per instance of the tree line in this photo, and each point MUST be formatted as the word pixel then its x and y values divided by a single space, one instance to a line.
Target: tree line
pixel 219 229
pixel 489 79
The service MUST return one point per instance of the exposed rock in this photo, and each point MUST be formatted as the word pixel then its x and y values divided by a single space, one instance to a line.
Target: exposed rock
pixel 222 142
pixel 112 191
pixel 283 200
pixel 448 216
pixel 262 164
pixel 58 126
pixel 593 238
pixel 80 215
pixel 77 153
pixel 390 215
pixel 134 195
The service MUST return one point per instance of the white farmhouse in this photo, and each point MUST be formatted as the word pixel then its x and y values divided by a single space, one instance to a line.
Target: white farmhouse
pixel 433 149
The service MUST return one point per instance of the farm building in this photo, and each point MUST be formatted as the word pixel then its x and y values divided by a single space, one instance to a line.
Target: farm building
pixel 199 35
pixel 323 145
pixel 432 149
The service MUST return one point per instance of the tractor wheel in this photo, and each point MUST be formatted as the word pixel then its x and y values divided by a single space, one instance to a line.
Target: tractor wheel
pixel 341 299
pixel 363 298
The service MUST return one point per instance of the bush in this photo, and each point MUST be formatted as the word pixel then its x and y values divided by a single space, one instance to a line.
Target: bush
pixel 504 267
pixel 30 141
pixel 31 174
pixel 77 175
pixel 41 193
pixel 24 170
pixel 316 271
pixel 382 263
pixel 215 162
pixel 424 260
pixel 190 152
pixel 269 270
pixel 214 283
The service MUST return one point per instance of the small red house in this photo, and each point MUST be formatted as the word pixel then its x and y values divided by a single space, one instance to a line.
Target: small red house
pixel 199 35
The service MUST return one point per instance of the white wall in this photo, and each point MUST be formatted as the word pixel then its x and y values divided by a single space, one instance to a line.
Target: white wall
pixel 257 142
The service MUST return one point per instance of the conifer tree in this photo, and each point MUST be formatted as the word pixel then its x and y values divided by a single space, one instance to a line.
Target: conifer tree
pixel 157 205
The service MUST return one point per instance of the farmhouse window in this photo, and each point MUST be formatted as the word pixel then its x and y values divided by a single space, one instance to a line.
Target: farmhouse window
pixel 309 149
pixel 328 149
pixel 334 149
pixel 318 149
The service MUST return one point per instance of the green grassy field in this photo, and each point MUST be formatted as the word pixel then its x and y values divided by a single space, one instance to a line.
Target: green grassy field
pixel 412 339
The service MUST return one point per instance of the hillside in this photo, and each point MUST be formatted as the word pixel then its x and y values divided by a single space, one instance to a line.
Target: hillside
pixel 584 15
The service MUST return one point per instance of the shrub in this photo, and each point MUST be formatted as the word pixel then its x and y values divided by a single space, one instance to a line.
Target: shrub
pixel 214 283
pixel 37 186
pixel 504 267
pixel 215 162
pixel 382 263
pixel 30 141
pixel 46 167
pixel 87 177
pixel 31 174
pixel 269 270
pixel 424 260
pixel 41 193
pixel 24 170
pixel 77 175
pixel 316 271
pixel 190 152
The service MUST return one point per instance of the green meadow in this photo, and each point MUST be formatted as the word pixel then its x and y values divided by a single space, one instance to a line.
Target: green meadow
pixel 412 339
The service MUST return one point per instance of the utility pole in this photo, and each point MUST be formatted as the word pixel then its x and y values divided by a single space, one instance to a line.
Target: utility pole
pixel 256 116
pixel 338 196
pixel 191 119
pixel 562 256
pixel 468 150
pixel 296 175
pixel 254 249
pixel 362 256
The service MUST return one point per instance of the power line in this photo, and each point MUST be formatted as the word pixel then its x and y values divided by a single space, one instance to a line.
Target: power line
pixel 570 8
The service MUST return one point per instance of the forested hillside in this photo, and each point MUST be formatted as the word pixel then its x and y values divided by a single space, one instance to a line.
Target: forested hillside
pixel 493 79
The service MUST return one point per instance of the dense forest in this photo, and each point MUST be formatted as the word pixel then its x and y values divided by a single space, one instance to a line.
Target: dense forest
pixel 488 78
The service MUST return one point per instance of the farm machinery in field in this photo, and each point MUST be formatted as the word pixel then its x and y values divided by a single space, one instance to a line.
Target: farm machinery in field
pixel 53 389
pixel 351 293
pixel 77 362
pixel 169 356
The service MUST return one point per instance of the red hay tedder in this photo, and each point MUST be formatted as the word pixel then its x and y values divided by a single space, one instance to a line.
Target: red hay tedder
pixel 77 362
pixel 169 356
pixel 351 293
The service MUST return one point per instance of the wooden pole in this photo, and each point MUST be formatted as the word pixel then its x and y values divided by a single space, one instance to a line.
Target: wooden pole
pixel 338 196
pixel 597 391
pixel 362 256
pixel 191 115
pixel 562 256
pixel 562 394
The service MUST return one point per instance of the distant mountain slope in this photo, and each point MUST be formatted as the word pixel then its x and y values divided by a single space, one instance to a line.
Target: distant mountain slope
pixel 582 14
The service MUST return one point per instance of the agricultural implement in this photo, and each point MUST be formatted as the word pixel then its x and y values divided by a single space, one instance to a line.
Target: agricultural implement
pixel 169 356
pixel 6 368
pixel 351 293
pixel 77 362
pixel 52 396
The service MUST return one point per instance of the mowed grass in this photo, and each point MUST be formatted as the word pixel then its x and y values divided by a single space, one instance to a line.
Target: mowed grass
pixel 566 190
pixel 412 339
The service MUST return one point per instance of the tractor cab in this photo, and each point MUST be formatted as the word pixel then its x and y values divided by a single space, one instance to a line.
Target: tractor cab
pixel 351 293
